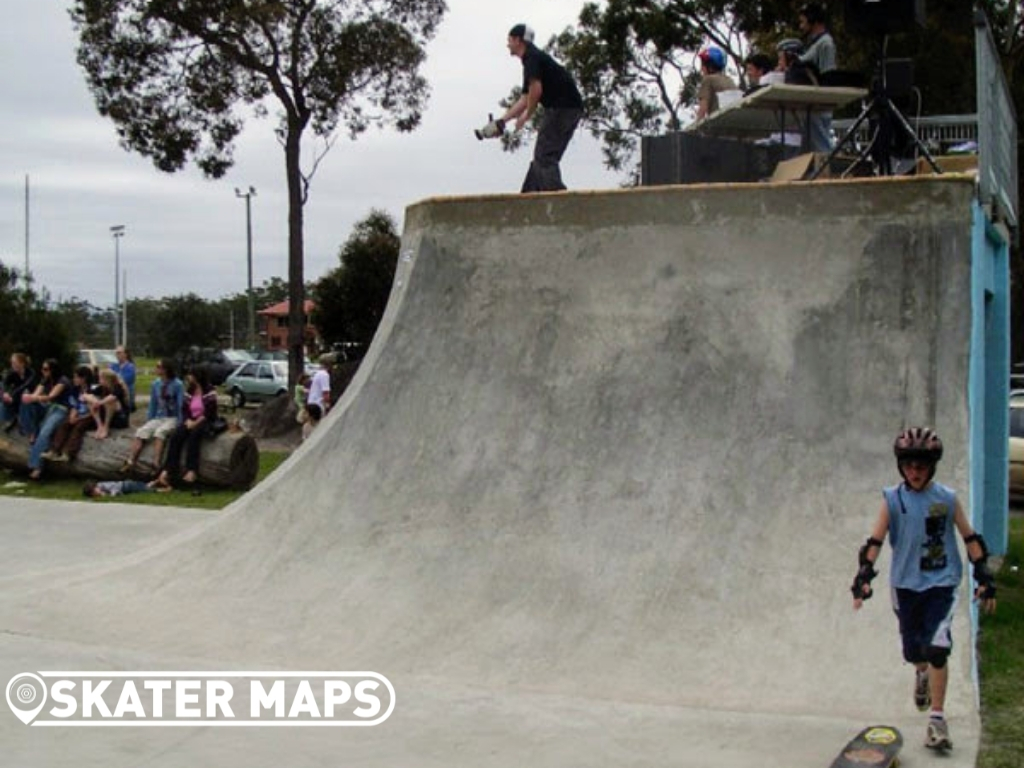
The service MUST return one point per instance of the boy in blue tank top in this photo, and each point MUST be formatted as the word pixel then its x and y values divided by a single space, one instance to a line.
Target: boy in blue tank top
pixel 919 516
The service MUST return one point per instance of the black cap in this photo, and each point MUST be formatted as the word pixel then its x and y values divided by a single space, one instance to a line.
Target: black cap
pixel 521 31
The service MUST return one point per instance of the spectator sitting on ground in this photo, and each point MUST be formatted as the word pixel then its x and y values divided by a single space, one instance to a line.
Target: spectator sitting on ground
pixel 162 418
pixel 99 489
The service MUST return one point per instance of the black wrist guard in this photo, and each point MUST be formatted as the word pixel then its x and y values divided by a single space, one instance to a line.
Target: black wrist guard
pixel 866 572
pixel 982 575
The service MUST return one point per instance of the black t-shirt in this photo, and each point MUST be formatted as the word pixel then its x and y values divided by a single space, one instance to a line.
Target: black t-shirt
pixel 559 90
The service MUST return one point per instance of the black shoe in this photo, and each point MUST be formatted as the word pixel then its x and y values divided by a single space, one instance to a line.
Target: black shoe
pixel 9 426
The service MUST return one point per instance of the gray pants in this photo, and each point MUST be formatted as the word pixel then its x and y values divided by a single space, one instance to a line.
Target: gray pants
pixel 556 129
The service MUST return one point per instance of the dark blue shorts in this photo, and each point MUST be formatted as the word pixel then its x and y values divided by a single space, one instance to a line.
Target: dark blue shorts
pixel 926 620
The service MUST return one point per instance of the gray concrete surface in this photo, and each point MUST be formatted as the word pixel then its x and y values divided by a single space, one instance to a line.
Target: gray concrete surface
pixel 593 499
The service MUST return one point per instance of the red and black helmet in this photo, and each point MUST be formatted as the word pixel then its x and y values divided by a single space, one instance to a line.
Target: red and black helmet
pixel 918 444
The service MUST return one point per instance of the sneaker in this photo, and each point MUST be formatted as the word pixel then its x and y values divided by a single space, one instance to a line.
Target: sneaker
pixel 938 734
pixel 49 456
pixel 922 691
pixel 59 457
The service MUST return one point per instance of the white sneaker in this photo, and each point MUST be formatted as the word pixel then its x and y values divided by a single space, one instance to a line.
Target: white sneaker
pixel 938 734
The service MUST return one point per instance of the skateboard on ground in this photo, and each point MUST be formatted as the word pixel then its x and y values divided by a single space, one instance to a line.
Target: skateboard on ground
pixel 878 747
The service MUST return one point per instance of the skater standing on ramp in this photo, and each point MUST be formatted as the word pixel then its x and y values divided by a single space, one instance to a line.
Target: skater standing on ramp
pixel 919 515
pixel 548 84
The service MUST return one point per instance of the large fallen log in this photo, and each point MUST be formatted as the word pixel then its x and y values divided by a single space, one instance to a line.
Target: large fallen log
pixel 229 460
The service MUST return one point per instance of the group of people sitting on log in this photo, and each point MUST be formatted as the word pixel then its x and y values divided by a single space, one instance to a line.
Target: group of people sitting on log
pixel 55 413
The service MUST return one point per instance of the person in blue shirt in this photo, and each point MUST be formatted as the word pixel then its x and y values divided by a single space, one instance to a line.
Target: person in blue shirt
pixel 163 417
pixel 125 368
pixel 919 516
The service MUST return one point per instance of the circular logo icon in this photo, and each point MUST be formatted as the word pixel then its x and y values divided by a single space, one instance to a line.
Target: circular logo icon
pixel 880 736
pixel 26 696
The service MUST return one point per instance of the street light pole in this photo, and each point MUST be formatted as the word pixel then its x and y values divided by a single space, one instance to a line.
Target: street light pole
pixel 117 232
pixel 248 258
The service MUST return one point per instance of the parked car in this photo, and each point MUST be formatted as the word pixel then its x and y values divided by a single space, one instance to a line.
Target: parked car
pixel 218 363
pixel 282 355
pixel 257 381
pixel 1017 445
pixel 97 359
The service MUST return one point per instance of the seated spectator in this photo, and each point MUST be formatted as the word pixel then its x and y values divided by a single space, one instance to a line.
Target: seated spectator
pixel 43 411
pixel 757 66
pixel 162 418
pixel 102 488
pixel 713 82
pixel 200 413
pixel 67 440
pixel 17 381
pixel 109 405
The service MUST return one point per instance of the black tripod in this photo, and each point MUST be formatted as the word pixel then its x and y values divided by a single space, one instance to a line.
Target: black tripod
pixel 886 118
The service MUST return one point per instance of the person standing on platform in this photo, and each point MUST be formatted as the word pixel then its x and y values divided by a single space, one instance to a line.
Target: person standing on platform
pixel 820 56
pixel 548 84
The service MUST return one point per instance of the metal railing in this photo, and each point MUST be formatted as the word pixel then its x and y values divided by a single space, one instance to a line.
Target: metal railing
pixel 938 132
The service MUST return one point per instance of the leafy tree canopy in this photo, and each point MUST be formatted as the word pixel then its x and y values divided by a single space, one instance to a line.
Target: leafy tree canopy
pixel 28 325
pixel 635 60
pixel 351 298
pixel 178 76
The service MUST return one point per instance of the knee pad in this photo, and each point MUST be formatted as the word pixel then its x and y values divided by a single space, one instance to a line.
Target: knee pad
pixel 936 655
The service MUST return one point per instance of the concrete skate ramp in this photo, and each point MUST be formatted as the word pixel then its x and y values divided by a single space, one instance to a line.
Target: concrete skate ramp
pixel 594 498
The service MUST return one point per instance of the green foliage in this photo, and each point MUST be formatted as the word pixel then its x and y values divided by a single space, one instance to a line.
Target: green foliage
pixel 174 75
pixel 177 77
pixel 350 300
pixel 1001 648
pixel 635 59
pixel 28 325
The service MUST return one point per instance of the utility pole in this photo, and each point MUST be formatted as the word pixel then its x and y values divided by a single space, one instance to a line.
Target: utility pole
pixel 248 259
pixel 117 232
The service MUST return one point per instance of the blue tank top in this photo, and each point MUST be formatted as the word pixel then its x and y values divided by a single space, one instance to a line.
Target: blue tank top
pixel 923 537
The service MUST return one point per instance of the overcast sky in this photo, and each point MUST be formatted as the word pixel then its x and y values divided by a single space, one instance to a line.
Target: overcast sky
pixel 184 233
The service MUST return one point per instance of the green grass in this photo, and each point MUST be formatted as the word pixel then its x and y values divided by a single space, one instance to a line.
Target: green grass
pixel 71 489
pixel 145 373
pixel 1001 649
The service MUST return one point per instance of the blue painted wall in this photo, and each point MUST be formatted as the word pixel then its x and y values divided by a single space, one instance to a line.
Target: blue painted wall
pixel 989 384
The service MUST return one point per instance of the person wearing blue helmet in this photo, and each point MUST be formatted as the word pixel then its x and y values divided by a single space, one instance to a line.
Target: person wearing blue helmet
pixel 713 80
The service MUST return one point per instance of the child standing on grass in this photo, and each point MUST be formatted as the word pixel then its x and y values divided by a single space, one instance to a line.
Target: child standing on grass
pixel 919 516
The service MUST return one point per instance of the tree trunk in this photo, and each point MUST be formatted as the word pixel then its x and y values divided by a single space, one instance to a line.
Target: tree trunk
pixel 229 460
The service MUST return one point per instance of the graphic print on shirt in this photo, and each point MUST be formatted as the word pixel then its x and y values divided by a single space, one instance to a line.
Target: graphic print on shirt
pixel 934 557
